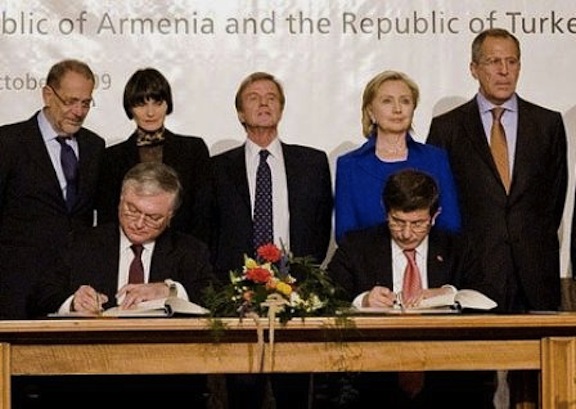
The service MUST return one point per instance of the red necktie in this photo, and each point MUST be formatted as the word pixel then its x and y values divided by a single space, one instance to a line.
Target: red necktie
pixel 412 282
pixel 411 382
pixel 136 272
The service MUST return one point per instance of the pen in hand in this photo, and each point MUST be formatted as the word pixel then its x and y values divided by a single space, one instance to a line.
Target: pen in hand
pixel 398 301
pixel 101 299
pixel 98 304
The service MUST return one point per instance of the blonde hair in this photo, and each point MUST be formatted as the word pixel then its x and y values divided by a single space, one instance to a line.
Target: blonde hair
pixel 371 90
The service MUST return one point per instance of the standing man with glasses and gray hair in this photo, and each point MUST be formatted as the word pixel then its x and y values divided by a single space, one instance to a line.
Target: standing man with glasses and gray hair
pixel 513 215
pixel 371 265
pixel 49 165
pixel 509 159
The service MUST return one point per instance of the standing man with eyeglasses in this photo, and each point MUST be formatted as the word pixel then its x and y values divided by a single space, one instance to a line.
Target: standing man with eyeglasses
pixel 371 264
pixel 511 192
pixel 49 166
pixel 514 224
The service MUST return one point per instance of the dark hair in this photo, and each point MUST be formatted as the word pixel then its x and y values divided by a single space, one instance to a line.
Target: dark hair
pixel 146 84
pixel 151 178
pixel 58 70
pixel 252 78
pixel 409 190
pixel 492 32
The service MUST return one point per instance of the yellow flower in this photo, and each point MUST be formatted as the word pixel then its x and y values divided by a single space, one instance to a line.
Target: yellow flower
pixel 284 288
pixel 250 263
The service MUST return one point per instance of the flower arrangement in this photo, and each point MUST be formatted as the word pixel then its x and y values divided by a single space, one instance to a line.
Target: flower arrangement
pixel 293 286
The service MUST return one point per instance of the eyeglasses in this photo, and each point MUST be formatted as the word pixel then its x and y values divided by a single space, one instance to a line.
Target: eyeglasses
pixel 417 226
pixel 72 102
pixel 152 221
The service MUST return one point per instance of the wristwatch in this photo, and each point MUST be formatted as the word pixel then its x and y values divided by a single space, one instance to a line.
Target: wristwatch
pixel 172 289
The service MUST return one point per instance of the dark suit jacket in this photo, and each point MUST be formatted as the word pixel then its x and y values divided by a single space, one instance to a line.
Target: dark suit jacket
pixel 364 259
pixel 93 259
pixel 33 216
pixel 310 201
pixel 188 155
pixel 517 234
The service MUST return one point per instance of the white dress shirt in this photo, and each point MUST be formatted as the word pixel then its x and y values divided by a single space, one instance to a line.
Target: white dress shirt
pixel 399 263
pixel 126 257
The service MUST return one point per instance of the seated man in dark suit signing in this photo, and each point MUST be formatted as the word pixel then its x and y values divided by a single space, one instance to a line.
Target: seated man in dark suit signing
pixel 373 266
pixel 95 273
pixel 96 269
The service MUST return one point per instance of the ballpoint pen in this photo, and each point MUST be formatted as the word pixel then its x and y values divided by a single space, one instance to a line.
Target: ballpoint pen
pixel 398 301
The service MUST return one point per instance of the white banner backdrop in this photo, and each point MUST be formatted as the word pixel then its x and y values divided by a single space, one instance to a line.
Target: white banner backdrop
pixel 323 51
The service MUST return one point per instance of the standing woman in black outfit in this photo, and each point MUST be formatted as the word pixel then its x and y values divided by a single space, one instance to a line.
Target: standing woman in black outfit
pixel 148 101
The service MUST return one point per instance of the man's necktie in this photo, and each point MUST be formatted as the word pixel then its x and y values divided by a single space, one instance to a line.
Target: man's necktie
pixel 499 147
pixel 136 272
pixel 263 203
pixel 412 282
pixel 70 167
pixel 411 382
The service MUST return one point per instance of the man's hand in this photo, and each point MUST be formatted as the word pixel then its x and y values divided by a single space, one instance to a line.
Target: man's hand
pixel 130 295
pixel 88 300
pixel 379 297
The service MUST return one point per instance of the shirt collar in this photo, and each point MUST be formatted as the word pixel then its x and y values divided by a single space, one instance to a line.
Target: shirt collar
pixel 253 150
pixel 125 243
pixel 421 249
pixel 485 105
pixel 48 133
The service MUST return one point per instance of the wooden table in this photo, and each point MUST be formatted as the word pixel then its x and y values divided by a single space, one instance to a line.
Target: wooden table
pixel 545 342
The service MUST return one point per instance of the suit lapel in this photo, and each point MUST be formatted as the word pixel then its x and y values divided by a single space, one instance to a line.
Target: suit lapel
pixel 160 262
pixel 170 150
pixel 110 259
pixel 437 261
pixel 37 151
pixel 527 153
pixel 475 132
pixel 237 174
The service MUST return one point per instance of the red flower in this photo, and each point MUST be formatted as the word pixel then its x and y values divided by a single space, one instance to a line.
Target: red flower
pixel 269 253
pixel 258 275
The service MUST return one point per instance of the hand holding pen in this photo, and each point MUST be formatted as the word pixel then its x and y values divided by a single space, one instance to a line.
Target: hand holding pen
pixel 88 300
pixel 380 296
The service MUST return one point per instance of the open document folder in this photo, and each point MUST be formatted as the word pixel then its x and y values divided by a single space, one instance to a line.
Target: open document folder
pixel 446 303
pixel 163 307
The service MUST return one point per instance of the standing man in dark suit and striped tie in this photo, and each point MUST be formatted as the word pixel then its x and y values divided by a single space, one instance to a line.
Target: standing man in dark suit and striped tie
pixel 49 166
pixel 300 217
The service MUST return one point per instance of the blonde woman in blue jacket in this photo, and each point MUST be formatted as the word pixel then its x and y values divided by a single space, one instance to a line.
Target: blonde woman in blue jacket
pixel 388 104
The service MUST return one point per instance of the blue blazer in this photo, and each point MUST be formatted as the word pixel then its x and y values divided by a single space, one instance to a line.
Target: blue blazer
pixel 361 176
